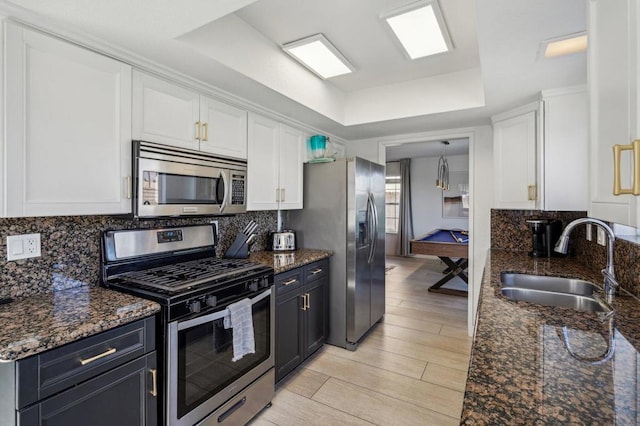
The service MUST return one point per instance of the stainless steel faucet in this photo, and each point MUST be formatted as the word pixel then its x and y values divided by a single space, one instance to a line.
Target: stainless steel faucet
pixel 610 282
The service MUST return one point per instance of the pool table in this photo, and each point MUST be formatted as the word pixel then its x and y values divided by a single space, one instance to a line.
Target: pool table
pixel 446 244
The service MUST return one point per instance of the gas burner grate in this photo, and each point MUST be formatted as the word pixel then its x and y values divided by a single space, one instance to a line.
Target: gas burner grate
pixel 176 277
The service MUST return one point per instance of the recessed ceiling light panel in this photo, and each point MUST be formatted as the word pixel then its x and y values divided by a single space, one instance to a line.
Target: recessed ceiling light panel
pixel 318 55
pixel 565 45
pixel 420 29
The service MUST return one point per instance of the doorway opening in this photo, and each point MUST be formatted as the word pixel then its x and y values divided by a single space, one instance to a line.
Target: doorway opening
pixel 433 210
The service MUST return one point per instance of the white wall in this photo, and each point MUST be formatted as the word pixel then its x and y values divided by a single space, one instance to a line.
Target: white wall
pixel 367 149
pixel 426 198
pixel 481 190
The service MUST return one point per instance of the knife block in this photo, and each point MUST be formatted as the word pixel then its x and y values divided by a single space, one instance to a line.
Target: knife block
pixel 239 249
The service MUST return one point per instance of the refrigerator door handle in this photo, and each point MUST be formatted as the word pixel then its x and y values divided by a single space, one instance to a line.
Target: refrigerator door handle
pixel 373 219
pixel 375 225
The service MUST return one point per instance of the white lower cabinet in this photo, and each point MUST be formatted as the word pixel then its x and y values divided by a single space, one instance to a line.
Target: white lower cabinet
pixel 275 158
pixel 540 153
pixel 68 128
pixel 170 114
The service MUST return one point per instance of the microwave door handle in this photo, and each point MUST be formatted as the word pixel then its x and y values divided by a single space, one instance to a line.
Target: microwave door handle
pixel 225 182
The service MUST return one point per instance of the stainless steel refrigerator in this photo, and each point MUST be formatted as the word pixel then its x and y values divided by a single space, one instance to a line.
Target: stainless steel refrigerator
pixel 344 212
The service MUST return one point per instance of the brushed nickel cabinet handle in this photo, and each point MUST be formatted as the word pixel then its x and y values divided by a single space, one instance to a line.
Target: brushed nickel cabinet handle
pixel 154 382
pixel 289 282
pixel 205 128
pixel 282 195
pixel 197 130
pixel 617 180
pixel 316 271
pixel 97 357
pixel 277 195
pixel 308 298
pixel 304 302
pixel 532 193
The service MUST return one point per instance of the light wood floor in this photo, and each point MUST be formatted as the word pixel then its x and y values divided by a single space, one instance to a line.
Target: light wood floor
pixel 410 370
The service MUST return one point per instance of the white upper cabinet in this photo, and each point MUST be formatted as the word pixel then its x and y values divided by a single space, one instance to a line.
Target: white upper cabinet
pixel 166 113
pixel 514 149
pixel 68 128
pixel 565 150
pixel 292 145
pixel 224 128
pixel 540 153
pixel 614 82
pixel 275 162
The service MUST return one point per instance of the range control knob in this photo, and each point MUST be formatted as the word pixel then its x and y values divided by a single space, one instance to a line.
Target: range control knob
pixel 264 283
pixel 211 301
pixel 194 306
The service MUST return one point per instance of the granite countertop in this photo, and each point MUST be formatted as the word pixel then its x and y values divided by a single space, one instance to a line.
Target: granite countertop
pixel 521 371
pixel 286 260
pixel 40 322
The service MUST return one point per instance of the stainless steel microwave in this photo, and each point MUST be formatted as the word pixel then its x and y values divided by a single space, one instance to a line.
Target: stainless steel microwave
pixel 170 181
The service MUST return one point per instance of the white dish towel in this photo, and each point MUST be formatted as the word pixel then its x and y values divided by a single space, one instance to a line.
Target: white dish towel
pixel 240 318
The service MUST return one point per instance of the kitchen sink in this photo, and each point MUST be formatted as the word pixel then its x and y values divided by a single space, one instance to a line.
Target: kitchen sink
pixel 552 291
pixel 546 283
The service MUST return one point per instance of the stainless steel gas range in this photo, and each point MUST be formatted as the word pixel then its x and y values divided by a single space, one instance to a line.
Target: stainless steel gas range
pixel 177 267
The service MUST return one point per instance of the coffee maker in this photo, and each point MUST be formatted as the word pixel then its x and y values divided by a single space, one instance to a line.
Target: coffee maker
pixel 544 235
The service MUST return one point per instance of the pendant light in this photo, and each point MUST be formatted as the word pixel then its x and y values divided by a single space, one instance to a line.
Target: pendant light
pixel 443 169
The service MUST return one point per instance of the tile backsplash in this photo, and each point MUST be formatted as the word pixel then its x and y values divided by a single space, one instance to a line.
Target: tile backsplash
pixel 509 231
pixel 71 247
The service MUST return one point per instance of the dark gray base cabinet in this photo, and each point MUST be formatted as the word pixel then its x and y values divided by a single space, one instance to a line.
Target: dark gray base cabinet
pixel 302 314
pixel 104 380
pixel 119 397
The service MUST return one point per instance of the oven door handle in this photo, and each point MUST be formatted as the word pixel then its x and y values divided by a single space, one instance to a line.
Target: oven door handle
pixel 217 315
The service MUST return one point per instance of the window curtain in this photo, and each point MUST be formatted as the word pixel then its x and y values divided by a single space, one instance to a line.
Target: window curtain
pixel 405 222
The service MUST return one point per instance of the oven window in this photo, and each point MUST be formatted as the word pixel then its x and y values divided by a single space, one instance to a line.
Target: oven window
pixel 205 353
pixel 166 188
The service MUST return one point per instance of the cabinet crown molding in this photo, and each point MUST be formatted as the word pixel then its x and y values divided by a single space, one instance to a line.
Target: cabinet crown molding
pixel 532 106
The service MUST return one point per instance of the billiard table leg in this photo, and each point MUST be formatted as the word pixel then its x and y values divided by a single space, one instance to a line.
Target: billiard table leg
pixel 454 269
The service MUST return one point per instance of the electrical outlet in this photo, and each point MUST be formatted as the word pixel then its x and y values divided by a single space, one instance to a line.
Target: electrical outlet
pixel 23 246
pixel 589 235
pixel 601 237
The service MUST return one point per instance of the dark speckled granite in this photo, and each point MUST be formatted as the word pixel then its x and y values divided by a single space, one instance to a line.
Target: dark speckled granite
pixel 520 370
pixel 285 261
pixel 509 231
pixel 32 325
pixel 71 247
